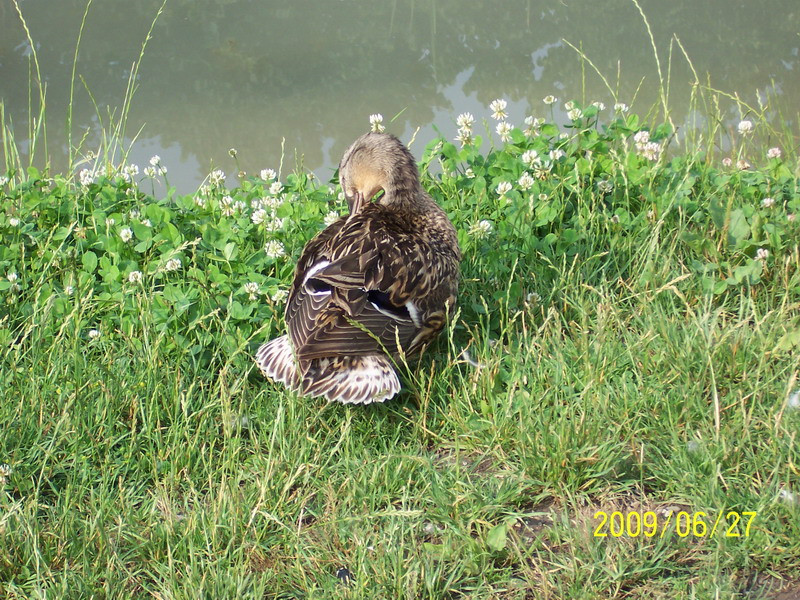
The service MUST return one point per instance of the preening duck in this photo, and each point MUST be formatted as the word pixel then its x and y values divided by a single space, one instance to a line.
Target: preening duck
pixel 375 284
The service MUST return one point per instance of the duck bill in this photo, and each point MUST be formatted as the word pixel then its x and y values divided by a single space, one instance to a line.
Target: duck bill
pixel 358 202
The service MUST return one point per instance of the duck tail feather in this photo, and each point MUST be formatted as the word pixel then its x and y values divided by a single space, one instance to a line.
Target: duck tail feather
pixel 351 380
pixel 276 361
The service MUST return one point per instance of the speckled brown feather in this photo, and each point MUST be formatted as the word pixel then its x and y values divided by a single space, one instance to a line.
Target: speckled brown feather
pixel 349 302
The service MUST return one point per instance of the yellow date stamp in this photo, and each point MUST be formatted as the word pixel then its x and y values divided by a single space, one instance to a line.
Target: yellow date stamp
pixel 730 524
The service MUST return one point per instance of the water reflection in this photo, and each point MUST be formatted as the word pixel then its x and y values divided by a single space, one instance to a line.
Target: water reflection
pixel 236 73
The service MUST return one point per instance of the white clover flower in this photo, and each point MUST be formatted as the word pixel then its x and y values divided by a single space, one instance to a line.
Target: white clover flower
pixel 651 151
pixel 376 123
pixel 94 334
pixel 615 219
pixel 525 181
pixel 200 201
pixel 569 105
pixel 131 170
pixel 150 172
pixel 3 180
pixel 542 197
pixel 274 223
pixel 274 249
pixel 268 174
pixel 531 157
pixel 762 254
pixel 774 153
pixel 232 152
pixel 768 202
pixel 742 164
pixel 504 131
pixel 745 127
pixel 252 290
pixel 272 202
pixel 727 161
pixel 481 229
pixel 135 276
pixel 469 173
pixel 575 114
pixel 110 222
pixel 87 177
pixel 239 206
pixel 13 221
pixel 276 188
pixel 330 218
pixel 620 107
pixel 465 120
pixel 134 214
pixel 604 186
pixel 258 216
pixel 173 264
pixel 599 105
pixel 642 138
pixel 162 170
pixel 147 223
pixel 498 108
pixel 69 290
pixel 787 496
pixel 216 177
pixel 279 296
pixel 503 188
pixel 464 137
pixel 533 298
pixel 794 400
pixel 12 277
pixel 557 153
pixel 542 171
pixel 155 161
pixel 550 99
pixel 533 124
pixel 126 235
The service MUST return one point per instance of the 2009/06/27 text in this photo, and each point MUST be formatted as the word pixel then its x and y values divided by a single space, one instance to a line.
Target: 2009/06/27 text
pixel 696 524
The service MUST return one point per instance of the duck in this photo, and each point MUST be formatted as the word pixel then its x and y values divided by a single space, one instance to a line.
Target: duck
pixel 374 287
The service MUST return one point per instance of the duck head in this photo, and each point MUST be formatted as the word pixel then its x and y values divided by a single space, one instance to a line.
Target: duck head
pixel 375 162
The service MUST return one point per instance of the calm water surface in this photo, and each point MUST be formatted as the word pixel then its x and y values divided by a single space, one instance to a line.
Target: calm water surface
pixel 246 74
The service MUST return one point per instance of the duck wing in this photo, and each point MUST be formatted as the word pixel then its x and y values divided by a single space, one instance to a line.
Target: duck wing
pixel 362 290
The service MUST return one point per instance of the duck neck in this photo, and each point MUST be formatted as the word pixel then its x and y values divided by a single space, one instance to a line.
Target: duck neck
pixel 403 185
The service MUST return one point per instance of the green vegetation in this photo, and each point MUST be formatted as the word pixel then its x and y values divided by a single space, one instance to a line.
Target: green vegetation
pixel 630 317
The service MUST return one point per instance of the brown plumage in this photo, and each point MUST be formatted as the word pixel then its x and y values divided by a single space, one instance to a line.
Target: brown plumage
pixel 373 285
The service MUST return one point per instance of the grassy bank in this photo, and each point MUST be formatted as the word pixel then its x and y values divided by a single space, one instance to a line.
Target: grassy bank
pixel 626 342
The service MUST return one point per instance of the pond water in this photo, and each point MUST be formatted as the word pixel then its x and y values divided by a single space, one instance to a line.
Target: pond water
pixel 247 74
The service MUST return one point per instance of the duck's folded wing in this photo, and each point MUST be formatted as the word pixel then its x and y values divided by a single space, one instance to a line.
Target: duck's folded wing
pixel 339 308
pixel 374 328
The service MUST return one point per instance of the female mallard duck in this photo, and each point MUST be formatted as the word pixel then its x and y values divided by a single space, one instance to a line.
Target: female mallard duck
pixel 372 286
